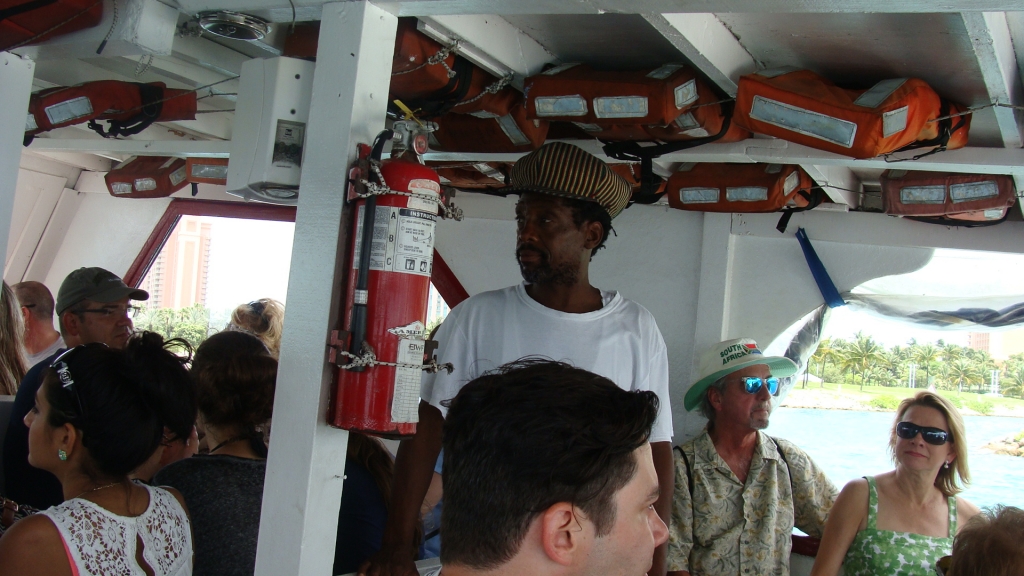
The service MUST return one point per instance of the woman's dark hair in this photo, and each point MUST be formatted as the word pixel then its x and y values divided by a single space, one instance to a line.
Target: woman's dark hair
pixel 168 378
pixel 235 377
pixel 106 394
pixel 372 455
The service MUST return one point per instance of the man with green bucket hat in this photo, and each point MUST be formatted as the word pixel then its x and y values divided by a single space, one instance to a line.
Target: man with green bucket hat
pixel 739 491
pixel 567 199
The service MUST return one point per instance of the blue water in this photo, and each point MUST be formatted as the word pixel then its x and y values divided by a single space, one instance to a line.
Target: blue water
pixel 848 444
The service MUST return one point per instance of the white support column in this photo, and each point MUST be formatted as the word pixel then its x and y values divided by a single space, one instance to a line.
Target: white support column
pixel 302 494
pixel 716 256
pixel 15 90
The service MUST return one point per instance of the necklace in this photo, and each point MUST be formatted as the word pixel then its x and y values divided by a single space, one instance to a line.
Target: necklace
pixel 230 441
pixel 97 489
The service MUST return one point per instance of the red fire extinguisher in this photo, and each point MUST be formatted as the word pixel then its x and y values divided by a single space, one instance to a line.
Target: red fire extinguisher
pixel 377 388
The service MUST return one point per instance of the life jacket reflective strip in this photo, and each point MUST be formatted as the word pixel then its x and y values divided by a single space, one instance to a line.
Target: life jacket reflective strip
pixel 21 20
pixel 957 197
pixel 487 132
pixel 472 175
pixel 130 107
pixel 147 177
pixel 802 107
pixel 709 187
pixel 206 170
pixel 578 93
pixel 704 118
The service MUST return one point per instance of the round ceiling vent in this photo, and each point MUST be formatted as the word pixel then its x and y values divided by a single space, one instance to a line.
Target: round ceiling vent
pixel 234 25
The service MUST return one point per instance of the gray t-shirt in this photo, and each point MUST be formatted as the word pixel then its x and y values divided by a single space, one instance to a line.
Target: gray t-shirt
pixel 224 495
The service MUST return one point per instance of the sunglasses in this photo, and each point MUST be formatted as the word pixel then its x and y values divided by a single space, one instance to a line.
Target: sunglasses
pixel 909 431
pixel 752 384
pixel 67 381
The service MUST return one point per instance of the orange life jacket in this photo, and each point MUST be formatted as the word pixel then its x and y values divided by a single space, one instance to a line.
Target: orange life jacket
pixel 39 20
pixel 128 106
pixel 578 93
pixel 701 120
pixel 709 187
pixel 207 170
pixel 487 132
pixel 472 175
pixel 950 197
pixel 147 177
pixel 803 107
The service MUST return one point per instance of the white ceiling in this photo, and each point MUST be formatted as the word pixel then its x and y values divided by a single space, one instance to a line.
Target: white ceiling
pixel 967 55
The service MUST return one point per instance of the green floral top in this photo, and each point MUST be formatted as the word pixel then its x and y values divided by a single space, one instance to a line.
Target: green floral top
pixel 875 551
pixel 722 526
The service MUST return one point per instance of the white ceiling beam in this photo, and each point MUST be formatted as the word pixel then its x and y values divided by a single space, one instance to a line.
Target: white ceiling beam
pixel 713 49
pixel 1000 66
pixel 435 7
pixel 708 45
pixel 966 160
pixel 491 43
pixel 183 148
pixel 993 47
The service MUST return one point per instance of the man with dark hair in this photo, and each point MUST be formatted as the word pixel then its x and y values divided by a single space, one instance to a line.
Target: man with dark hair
pixel 739 492
pixel 93 305
pixel 41 340
pixel 568 198
pixel 548 470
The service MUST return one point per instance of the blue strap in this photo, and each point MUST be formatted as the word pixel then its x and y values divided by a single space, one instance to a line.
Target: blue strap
pixel 825 285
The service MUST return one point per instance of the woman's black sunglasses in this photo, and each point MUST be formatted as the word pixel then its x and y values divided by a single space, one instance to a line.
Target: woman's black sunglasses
pixel 909 430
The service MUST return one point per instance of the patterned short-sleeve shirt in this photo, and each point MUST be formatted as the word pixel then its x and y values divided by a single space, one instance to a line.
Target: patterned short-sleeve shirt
pixel 727 527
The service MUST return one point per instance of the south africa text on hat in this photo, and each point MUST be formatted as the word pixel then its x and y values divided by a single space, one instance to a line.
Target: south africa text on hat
pixel 735 351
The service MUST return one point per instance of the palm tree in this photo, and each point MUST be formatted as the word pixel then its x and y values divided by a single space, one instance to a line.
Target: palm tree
pixel 925 355
pixel 828 349
pixel 1013 382
pixel 963 370
pixel 861 354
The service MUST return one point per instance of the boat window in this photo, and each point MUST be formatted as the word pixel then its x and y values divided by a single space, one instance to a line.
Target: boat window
pixel 866 364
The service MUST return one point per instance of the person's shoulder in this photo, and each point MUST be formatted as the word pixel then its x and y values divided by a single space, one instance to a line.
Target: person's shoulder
pixel 790 449
pixel 30 534
pixel 965 510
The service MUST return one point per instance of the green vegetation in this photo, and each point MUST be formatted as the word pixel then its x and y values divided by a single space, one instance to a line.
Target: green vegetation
pixel 981 406
pixel 885 402
pixel 191 324
pixel 947 367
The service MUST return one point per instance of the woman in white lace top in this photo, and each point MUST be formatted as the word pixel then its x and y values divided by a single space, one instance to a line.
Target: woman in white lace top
pixel 92 424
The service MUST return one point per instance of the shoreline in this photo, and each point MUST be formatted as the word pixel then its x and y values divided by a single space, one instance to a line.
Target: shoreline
pixel 827 399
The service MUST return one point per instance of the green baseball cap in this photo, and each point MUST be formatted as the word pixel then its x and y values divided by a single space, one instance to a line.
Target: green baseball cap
pixel 94 284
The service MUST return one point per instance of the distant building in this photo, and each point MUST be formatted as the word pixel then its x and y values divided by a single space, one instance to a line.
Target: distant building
pixel 177 278
pixel 1000 345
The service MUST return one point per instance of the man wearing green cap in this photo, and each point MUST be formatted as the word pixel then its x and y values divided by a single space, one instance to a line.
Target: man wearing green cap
pixel 739 491
pixel 93 305
pixel 568 198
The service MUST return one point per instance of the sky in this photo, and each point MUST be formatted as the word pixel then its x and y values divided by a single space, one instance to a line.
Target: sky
pixel 249 259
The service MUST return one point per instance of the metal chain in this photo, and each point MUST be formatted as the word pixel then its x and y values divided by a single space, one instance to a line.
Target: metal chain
pixel 438 58
pixel 451 212
pixel 369 359
pixel 492 89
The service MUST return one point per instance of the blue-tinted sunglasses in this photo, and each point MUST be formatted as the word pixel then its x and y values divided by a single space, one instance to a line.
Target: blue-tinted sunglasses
pixel 752 384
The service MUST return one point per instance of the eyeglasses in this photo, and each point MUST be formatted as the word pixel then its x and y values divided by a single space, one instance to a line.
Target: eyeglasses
pixel 752 384
pixel 114 310
pixel 909 431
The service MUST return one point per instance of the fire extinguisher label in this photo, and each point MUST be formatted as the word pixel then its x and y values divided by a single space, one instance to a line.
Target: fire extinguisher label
pixel 405 406
pixel 403 240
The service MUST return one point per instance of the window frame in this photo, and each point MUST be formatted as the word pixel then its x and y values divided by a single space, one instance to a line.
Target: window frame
pixel 442 276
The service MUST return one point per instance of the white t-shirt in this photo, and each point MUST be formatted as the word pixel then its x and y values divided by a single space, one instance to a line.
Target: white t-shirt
pixel 621 342
pixel 50 350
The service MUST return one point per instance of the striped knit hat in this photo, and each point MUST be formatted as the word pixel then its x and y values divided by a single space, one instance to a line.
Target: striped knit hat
pixel 565 170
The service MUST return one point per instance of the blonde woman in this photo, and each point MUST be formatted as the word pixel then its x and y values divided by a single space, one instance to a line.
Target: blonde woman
pixel 264 319
pixel 903 521
pixel 12 352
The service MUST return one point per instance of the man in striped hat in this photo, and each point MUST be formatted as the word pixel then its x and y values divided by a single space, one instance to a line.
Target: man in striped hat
pixel 567 201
